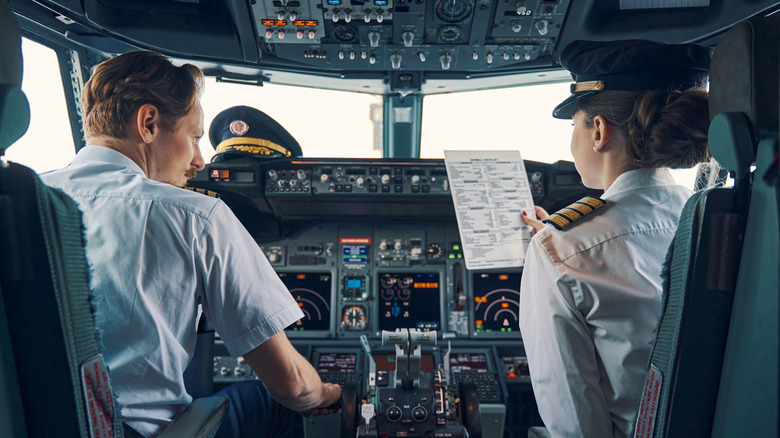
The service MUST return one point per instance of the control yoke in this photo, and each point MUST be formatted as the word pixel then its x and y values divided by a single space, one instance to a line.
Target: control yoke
pixel 408 347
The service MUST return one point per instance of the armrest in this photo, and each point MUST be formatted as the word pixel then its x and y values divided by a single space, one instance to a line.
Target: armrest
pixel 200 420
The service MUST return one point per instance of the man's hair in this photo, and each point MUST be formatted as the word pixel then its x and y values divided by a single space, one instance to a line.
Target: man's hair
pixel 121 85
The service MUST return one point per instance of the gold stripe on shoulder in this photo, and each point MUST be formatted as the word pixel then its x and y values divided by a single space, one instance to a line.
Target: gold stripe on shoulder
pixel 574 212
pixel 202 191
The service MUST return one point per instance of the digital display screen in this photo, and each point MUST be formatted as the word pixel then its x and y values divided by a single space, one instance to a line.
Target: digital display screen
pixel 312 292
pixel 496 302
pixel 268 22
pixel 337 362
pixel 409 301
pixel 468 362
pixel 386 362
pixel 355 254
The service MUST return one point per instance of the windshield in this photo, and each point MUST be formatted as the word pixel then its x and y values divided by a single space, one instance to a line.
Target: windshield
pixel 329 123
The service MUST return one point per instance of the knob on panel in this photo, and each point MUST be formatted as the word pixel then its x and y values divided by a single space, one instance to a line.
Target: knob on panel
pixel 394 413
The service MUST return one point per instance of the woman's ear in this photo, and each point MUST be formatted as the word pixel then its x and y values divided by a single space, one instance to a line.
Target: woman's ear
pixel 147 122
pixel 602 133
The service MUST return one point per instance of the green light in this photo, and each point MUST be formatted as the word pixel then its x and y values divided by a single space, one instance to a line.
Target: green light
pixel 456 247
pixel 452 256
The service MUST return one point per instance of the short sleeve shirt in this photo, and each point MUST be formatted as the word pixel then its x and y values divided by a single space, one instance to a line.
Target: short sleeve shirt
pixel 156 252
pixel 590 304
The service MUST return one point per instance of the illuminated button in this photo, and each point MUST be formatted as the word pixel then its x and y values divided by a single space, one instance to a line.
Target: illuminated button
pixel 426 189
pixel 214 173
pixel 324 177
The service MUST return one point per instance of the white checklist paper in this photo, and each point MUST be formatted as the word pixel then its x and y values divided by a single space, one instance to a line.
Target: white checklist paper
pixel 490 191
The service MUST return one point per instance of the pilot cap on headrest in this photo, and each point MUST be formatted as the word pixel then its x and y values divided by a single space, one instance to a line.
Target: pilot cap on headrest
pixel 246 131
pixel 631 65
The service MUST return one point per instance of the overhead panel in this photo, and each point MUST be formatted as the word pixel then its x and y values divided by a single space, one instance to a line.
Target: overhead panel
pixel 398 35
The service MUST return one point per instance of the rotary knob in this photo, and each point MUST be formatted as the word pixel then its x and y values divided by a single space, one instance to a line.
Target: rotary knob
pixel 394 413
pixel 419 414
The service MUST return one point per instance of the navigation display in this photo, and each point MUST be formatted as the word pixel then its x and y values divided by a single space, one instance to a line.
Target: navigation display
pixel 468 362
pixel 337 362
pixel 409 301
pixel 496 302
pixel 312 292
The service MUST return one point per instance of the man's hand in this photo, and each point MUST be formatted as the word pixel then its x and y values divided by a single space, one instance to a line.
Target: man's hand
pixel 541 215
pixel 332 403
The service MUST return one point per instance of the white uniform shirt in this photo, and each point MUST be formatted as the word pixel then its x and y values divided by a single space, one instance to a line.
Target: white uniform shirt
pixel 155 252
pixel 590 304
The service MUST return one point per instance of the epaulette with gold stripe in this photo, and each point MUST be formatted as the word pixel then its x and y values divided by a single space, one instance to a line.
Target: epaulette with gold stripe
pixel 202 191
pixel 574 212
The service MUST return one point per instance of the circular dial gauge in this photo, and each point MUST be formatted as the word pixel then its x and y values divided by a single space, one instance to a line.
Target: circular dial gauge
pixel 345 34
pixel 354 318
pixel 454 11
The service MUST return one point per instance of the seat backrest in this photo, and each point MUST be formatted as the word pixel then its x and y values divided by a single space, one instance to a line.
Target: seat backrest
pixel 52 382
pixel 703 270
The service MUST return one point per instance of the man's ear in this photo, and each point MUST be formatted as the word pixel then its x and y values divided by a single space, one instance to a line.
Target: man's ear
pixel 147 122
pixel 602 133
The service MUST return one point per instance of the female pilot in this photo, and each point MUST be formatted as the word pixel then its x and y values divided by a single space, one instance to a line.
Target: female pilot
pixel 590 299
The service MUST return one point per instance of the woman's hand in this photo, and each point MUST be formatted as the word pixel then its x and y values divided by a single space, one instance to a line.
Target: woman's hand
pixel 541 215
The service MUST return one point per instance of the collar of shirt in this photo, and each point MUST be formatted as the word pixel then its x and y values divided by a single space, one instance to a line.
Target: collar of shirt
pixel 106 155
pixel 637 178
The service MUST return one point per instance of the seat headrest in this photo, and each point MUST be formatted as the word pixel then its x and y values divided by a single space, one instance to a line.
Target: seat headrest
pixel 744 74
pixel 14 108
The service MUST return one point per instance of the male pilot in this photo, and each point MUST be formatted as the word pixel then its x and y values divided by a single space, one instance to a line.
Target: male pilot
pixel 157 252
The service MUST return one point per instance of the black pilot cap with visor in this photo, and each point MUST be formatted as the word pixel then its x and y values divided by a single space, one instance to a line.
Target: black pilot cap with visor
pixel 630 65
pixel 241 131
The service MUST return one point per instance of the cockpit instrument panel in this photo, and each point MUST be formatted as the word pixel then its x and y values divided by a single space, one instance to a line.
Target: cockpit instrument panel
pixel 409 300
pixel 313 293
pixel 496 303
